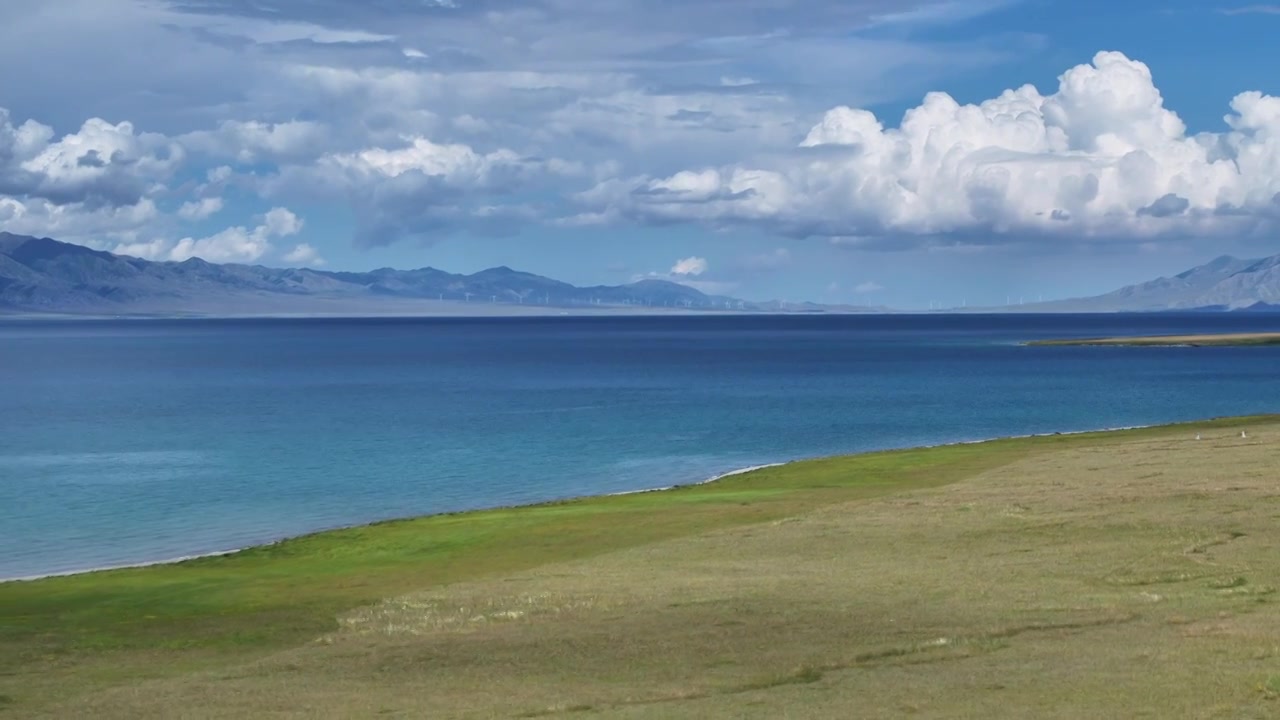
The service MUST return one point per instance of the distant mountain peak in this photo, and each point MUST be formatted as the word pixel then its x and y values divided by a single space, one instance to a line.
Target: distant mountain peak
pixel 501 271
pixel 1218 264
pixel 1224 283
pixel 653 282
pixel 1266 263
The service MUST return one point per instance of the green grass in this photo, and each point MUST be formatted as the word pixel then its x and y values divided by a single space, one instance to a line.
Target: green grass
pixel 81 636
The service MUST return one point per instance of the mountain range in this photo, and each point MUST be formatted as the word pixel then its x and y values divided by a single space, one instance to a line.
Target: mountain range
pixel 1223 284
pixel 41 275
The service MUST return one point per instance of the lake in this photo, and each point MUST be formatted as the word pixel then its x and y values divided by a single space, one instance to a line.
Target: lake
pixel 133 441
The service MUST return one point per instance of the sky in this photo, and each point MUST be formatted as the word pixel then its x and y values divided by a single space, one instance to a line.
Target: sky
pixel 887 152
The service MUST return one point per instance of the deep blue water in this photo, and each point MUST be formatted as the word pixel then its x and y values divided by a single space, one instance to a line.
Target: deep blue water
pixel 134 441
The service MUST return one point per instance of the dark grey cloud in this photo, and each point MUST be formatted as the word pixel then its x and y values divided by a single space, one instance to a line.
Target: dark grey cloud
pixel 668 196
pixel 1165 206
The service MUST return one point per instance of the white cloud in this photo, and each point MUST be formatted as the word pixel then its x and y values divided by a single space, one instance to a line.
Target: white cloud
pixel 1100 158
pixel 947 11
pixel 24 141
pixel 1252 10
pixel 95 186
pixel 100 164
pixel 200 209
pixel 274 32
pixel 303 254
pixel 692 272
pixel 76 222
pixel 154 249
pixel 456 163
pixel 235 244
pixel 868 287
pixel 423 188
pixel 689 266
pixel 279 222
pixel 668 126
pixel 97 145
pixel 253 141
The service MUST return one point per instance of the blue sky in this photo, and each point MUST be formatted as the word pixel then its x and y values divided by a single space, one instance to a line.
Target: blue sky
pixel 863 151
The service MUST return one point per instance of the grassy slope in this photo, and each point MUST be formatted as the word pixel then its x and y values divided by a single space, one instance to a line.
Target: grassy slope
pixel 80 642
pixel 1218 340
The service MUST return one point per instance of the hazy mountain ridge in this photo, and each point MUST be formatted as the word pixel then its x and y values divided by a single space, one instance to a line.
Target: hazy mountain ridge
pixel 45 275
pixel 1223 284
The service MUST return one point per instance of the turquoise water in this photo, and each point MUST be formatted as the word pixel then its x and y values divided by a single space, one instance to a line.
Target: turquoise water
pixel 136 441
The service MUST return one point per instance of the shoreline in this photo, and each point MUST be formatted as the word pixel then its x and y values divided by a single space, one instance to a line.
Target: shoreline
pixel 223 553
pixel 876 550
pixel 177 560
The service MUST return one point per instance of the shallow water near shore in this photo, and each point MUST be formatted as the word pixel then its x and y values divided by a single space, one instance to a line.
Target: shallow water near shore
pixel 136 441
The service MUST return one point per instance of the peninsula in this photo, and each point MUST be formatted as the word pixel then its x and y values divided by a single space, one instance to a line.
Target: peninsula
pixel 1212 340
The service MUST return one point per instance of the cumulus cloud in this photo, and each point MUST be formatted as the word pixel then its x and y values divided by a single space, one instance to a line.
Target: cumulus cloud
pixel 76 223
pixel 689 266
pixel 253 141
pixel 200 209
pixel 455 164
pixel 694 272
pixel 1100 158
pixel 101 164
pixel 303 254
pixel 92 186
pixel 235 244
pixel 1252 10
pixel 422 187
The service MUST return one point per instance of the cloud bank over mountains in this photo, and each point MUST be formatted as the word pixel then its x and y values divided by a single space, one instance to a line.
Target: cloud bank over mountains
pixel 224 126
pixel 1100 158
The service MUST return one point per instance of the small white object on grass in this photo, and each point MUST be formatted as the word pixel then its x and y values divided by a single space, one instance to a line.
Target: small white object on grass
pixel 1197 436
pixel 1243 434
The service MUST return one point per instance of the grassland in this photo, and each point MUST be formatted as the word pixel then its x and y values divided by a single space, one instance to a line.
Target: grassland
pixel 1100 575
pixel 1214 340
